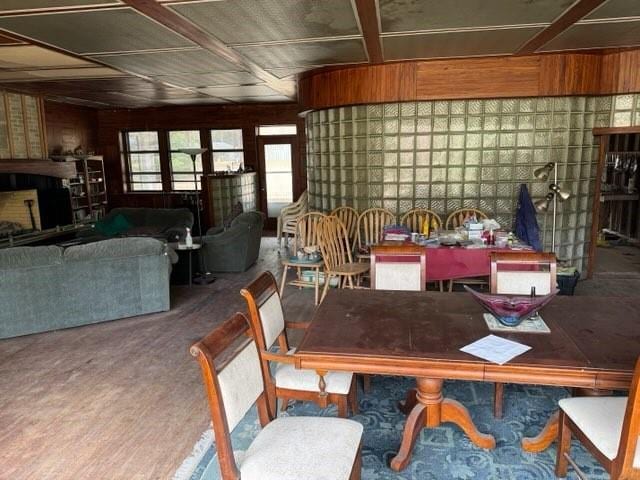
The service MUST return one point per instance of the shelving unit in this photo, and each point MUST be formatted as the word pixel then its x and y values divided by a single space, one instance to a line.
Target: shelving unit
pixel 88 189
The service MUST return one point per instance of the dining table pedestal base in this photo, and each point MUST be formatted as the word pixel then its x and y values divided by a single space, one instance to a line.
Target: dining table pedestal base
pixel 426 407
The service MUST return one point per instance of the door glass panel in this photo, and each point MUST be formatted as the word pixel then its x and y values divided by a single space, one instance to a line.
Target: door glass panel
pixel 277 164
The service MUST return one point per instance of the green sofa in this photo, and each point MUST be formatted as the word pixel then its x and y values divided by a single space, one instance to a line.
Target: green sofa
pixel 236 248
pixel 169 224
pixel 48 288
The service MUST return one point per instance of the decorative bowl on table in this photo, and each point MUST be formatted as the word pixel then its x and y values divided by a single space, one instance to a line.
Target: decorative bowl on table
pixel 511 310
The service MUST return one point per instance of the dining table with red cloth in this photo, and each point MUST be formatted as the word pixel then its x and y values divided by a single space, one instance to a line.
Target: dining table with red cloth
pixel 447 263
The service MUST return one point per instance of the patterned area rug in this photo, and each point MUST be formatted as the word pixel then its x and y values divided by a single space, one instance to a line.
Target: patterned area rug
pixel 440 453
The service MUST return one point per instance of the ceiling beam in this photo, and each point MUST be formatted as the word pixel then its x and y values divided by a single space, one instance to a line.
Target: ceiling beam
pixel 577 11
pixel 368 17
pixel 182 26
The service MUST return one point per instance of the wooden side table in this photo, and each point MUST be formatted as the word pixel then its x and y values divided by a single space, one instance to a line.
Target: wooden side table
pixel 181 247
pixel 299 282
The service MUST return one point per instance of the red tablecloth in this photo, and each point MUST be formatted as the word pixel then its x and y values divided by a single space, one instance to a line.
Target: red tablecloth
pixel 445 263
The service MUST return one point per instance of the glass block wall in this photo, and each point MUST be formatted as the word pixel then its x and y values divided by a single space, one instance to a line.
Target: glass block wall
pixel 445 155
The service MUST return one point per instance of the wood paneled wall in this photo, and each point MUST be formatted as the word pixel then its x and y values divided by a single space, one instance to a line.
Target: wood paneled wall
pixel 247 117
pixel 488 77
pixel 69 126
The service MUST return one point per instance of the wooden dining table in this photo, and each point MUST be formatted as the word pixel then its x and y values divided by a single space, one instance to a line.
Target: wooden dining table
pixel 593 344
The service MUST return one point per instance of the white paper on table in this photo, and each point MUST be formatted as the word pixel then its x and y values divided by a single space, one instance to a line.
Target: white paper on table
pixel 496 349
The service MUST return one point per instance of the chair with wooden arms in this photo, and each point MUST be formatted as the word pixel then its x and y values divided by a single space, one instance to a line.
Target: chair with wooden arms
pixel 398 267
pixel 290 448
pixel 516 273
pixel 306 236
pixel 289 217
pixel 416 218
pixel 336 253
pixel 608 427
pixel 287 382
pixel 454 220
pixel 349 217
pixel 371 225
pixel 458 217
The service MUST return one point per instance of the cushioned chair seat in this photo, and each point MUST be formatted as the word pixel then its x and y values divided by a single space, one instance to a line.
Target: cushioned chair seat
pixel 303 448
pixel 290 377
pixel 600 419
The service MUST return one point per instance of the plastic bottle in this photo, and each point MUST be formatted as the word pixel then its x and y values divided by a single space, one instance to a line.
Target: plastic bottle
pixel 188 240
pixel 492 238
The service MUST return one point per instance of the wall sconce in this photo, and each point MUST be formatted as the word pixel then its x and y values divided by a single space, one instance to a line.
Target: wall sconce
pixel 556 193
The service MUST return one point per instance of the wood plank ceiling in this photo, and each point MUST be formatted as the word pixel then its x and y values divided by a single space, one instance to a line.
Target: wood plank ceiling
pixel 138 53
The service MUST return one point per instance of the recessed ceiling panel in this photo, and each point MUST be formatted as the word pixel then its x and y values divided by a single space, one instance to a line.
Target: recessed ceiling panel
pixel 305 53
pixel 12 5
pixel 407 15
pixel 596 35
pixel 169 63
pixel 456 44
pixel 113 30
pixel 616 9
pixel 209 79
pixel 290 72
pixel 263 99
pixel 31 56
pixel 249 21
pixel 59 73
pixel 195 101
pixel 237 91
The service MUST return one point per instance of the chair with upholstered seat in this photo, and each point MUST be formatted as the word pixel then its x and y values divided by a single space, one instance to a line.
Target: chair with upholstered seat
pixel 289 215
pixel 606 426
pixel 306 236
pixel 371 225
pixel 336 253
pixel 290 448
pixel 516 273
pixel 287 382
pixel 349 217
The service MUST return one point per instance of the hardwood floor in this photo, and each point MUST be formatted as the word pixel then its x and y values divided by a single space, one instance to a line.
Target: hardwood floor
pixel 124 399
pixel 116 400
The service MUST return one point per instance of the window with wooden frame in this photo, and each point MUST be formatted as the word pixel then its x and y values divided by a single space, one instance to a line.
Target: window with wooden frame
pixel 182 177
pixel 142 154
pixel 227 151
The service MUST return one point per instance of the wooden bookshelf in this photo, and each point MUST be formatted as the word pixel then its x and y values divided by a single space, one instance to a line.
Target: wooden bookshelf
pixel 88 189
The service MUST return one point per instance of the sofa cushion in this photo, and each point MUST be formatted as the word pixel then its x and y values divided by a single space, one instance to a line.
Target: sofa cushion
pixel 113 225
pixel 115 248
pixel 24 257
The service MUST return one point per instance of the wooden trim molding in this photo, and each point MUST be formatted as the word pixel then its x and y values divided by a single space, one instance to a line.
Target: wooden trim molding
pixel 557 74
pixel 368 16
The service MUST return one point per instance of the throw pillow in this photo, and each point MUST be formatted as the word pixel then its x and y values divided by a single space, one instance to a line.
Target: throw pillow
pixel 113 226
pixel 235 211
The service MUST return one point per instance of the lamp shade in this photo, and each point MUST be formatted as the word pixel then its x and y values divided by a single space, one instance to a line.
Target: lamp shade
pixel 543 204
pixel 193 151
pixel 562 194
pixel 542 173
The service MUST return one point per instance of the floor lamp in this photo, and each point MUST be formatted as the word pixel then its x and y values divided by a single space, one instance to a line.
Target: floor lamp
pixel 555 193
pixel 203 277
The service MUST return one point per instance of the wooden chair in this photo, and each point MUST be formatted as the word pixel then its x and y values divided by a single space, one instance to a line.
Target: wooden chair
pixel 306 236
pixel 515 273
pixel 349 217
pixel 289 217
pixel 336 253
pixel 287 382
pixel 454 220
pixel 608 427
pixel 398 267
pixel 286 448
pixel 371 223
pixel 415 219
pixel 458 217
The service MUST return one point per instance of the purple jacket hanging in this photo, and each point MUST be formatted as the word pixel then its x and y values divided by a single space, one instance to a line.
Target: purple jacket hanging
pixel 527 228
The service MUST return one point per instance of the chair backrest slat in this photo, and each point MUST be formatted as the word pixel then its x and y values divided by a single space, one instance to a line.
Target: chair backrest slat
pixel 458 217
pixel 415 219
pixel 349 217
pixel 371 224
pixel 307 230
pixel 334 243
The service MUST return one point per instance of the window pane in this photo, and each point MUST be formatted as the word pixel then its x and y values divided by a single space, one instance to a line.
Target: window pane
pixel 184 139
pixel 226 139
pixel 144 162
pixel 185 181
pixel 279 177
pixel 277 130
pixel 143 141
pixel 136 187
pixel 146 181
pixel 223 161
pixel 181 162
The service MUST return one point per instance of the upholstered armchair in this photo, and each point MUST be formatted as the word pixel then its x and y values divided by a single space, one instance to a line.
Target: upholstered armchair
pixel 289 216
